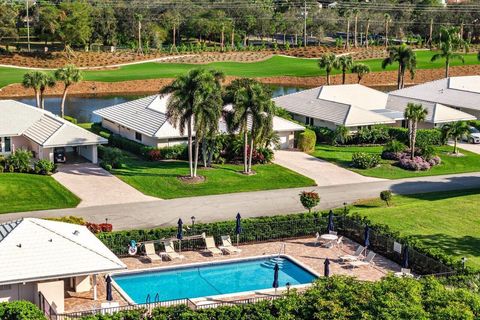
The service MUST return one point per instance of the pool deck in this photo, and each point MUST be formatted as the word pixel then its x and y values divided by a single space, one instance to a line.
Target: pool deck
pixel 303 250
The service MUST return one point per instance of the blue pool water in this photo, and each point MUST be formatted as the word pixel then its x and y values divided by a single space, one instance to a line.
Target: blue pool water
pixel 210 280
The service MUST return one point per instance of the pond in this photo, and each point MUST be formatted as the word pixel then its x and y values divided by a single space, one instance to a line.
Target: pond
pixel 82 107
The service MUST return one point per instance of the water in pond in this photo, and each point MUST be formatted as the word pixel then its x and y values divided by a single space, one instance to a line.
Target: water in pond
pixel 82 107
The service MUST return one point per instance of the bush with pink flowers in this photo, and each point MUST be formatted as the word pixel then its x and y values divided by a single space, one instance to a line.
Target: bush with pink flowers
pixel 417 163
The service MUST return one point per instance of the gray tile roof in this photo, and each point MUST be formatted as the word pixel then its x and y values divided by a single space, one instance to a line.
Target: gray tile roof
pixel 43 129
pixel 7 227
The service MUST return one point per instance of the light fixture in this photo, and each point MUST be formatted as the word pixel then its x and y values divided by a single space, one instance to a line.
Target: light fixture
pixel 288 287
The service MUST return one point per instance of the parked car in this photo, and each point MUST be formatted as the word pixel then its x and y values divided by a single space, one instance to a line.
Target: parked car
pixel 59 155
pixel 473 136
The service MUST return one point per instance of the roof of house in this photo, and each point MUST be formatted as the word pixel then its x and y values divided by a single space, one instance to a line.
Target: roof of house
pixel 148 116
pixel 348 105
pixel 42 127
pixel 35 249
pixel 461 92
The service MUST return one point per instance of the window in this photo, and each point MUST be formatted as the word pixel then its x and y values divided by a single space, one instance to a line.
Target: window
pixel 5 144
pixel 138 136
pixel 309 121
pixel 6 287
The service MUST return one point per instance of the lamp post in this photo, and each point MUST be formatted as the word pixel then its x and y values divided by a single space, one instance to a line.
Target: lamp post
pixel 345 208
pixel 288 287
pixel 464 261
pixel 193 222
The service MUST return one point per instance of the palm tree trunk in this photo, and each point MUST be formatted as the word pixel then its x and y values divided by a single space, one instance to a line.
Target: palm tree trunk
pixel 174 35
pixel 250 156
pixel 344 71
pixel 366 33
pixel 455 145
pixel 204 152
pixel 190 150
pixel 233 38
pixel 447 67
pixel 414 137
pixel 399 78
pixel 347 44
pixel 245 151
pixel 37 98
pixel 386 34
pixel 355 42
pixel 62 106
pixel 222 39
pixel 328 78
pixel 197 147
pixel 42 100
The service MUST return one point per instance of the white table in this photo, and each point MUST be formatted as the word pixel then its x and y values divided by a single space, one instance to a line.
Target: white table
pixel 329 237
pixel 403 275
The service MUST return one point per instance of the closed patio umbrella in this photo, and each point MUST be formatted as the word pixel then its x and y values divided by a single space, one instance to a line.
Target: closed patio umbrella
pixel 108 280
pixel 180 233
pixel 330 221
pixel 366 242
pixel 326 270
pixel 405 258
pixel 238 227
pixel 275 277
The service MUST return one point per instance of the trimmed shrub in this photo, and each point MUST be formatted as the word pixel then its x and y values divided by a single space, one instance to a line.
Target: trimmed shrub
pixel 175 152
pixel 20 310
pixel 394 146
pixel 44 167
pixel 307 140
pixel 323 134
pixel 363 160
pixel 474 123
pixel 415 164
pixel 429 137
pixel 70 119
pixel 127 145
pixel 386 196
pixel 111 156
pixel 20 160
pixel 154 155
pixel 309 200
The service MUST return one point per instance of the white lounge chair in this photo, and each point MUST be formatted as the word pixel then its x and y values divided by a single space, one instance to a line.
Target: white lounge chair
pixel 150 252
pixel 318 240
pixel 228 246
pixel 353 257
pixel 339 242
pixel 365 262
pixel 170 251
pixel 211 247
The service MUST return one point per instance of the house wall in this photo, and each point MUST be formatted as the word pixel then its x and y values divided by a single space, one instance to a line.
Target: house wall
pixel 17 291
pixel 316 122
pixel 82 284
pixel 287 139
pixel 45 153
pixel 89 152
pixel 54 293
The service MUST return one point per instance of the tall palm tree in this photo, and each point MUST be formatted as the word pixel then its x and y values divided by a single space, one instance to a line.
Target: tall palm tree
pixel 345 13
pixel 68 75
pixel 366 31
pixel 32 80
pixel 407 60
pixel 388 19
pixel 190 97
pixel 138 18
pixel 327 61
pixel 252 111
pixel 355 26
pixel 450 43
pixel 47 81
pixel 455 130
pixel 414 113
pixel 344 63
pixel 361 69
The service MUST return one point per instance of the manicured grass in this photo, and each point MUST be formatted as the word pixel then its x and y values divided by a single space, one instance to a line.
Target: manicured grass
pixel 448 221
pixel 27 192
pixel 159 179
pixel 275 66
pixel 342 156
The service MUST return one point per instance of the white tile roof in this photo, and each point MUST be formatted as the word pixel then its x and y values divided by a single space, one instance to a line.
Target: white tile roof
pixel 460 92
pixel 148 116
pixel 42 127
pixel 35 249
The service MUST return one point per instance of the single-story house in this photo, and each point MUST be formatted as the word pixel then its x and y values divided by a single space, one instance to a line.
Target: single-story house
pixel 40 131
pixel 44 259
pixel 355 106
pixel 145 121
pixel 461 93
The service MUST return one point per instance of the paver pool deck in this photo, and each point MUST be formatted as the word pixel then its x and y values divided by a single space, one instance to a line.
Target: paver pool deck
pixel 303 250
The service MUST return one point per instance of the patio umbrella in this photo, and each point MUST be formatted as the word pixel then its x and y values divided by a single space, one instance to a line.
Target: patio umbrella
pixel 367 236
pixel 275 277
pixel 238 227
pixel 180 233
pixel 326 270
pixel 330 221
pixel 405 258
pixel 108 280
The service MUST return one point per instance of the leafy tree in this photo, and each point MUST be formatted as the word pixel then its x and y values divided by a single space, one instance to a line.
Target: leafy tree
pixel 327 61
pixel 361 69
pixel 387 20
pixel 414 113
pixel 172 19
pixel 450 43
pixel 104 26
pixel 38 81
pixel 386 196
pixel 75 23
pixel 190 95
pixel 406 59
pixel 69 75
pixel 309 200
pixel 48 23
pixel 344 63
pixel 341 135
pixel 455 130
pixel 20 160
pixel 138 19
pixel 345 14
pixel 8 15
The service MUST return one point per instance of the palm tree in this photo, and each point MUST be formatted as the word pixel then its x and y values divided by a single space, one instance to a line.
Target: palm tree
pixel 387 23
pixel 138 18
pixel 345 13
pixel 47 81
pixel 344 63
pixel 455 130
pixel 33 79
pixel 190 97
pixel 407 60
pixel 251 104
pixel 68 75
pixel 355 27
pixel 366 31
pixel 361 69
pixel 450 43
pixel 327 62
pixel 414 113
pixel 341 135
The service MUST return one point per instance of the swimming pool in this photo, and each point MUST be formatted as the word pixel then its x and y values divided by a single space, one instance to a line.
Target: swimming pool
pixel 211 279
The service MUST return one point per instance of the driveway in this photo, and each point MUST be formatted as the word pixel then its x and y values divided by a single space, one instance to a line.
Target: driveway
pixel 323 172
pixel 96 186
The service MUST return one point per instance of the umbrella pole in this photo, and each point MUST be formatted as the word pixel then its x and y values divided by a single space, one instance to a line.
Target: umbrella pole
pixel 238 240
pixel 180 246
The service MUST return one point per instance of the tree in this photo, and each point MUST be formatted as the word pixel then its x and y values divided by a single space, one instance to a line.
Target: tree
pixel 361 69
pixel 48 22
pixel 328 62
pixel 190 95
pixel 367 27
pixel 355 27
pixel 345 13
pixel 414 113
pixel 8 16
pixel 38 81
pixel 309 200
pixel 172 19
pixel 450 43
pixel 407 60
pixel 138 19
pixel 69 75
pixel 75 23
pixel 344 63
pixel 455 130
pixel 341 135
pixel 386 196
pixel 104 26
pixel 252 111
pixel 387 19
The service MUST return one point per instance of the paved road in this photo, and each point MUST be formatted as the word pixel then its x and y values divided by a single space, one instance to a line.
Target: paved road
pixel 249 204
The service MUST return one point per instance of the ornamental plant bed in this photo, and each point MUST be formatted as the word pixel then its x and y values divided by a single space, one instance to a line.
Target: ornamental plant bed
pixel 192 180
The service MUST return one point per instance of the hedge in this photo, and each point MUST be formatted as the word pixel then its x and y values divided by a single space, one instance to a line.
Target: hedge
pixel 307 140
pixel 20 310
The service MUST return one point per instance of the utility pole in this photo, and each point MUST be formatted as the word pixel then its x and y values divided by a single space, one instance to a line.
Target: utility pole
pixel 28 27
pixel 305 23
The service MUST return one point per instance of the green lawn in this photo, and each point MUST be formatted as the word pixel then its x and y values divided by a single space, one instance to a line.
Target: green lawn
pixel 275 66
pixel 342 156
pixel 159 179
pixel 449 221
pixel 26 192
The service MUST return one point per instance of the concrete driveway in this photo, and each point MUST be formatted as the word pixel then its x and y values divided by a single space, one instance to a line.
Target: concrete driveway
pixel 323 172
pixel 96 186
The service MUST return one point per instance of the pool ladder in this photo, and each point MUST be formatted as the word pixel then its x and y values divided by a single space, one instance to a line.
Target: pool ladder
pixel 283 247
pixel 149 299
